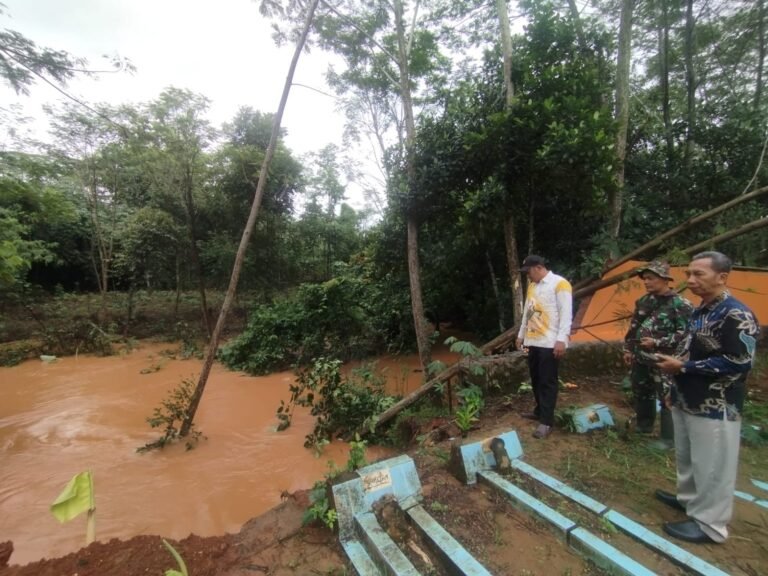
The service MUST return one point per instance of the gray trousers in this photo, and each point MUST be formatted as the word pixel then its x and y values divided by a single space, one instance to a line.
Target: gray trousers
pixel 707 453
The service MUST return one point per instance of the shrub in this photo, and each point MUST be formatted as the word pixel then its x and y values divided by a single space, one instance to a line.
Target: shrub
pixel 341 405
pixel 320 319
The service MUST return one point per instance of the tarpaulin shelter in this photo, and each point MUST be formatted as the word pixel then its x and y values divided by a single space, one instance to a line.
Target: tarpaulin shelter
pixel 605 315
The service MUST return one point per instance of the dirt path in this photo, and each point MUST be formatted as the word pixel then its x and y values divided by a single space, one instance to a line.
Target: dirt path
pixel 618 469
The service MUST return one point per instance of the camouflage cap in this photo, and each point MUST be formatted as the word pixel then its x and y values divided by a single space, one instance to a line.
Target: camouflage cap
pixel 661 269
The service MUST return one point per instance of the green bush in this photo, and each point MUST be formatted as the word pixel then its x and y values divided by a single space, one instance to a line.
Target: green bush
pixel 319 320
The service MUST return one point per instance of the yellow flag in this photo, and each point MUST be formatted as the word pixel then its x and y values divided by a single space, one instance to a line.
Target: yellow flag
pixel 75 499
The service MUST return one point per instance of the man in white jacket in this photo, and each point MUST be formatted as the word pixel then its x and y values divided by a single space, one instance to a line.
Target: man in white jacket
pixel 544 332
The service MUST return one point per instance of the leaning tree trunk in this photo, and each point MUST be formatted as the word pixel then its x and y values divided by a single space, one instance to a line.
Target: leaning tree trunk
pixel 213 344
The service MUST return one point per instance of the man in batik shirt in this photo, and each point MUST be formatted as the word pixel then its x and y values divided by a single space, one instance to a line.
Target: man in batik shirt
pixel 707 398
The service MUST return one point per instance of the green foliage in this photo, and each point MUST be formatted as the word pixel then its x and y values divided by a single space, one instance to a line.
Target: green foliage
pixel 435 367
pixel 471 402
pixel 356 453
pixel 320 508
pixel 170 415
pixel 340 405
pixel 320 319
pixel 565 419
pixel 182 571
pixel 463 348
pixel 467 350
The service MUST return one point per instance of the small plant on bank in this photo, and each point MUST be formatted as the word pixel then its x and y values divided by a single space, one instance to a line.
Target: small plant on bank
pixel 320 507
pixel 182 571
pixel 170 416
pixel 470 404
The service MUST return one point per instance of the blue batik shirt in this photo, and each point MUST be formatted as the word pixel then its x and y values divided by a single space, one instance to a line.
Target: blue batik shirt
pixel 721 341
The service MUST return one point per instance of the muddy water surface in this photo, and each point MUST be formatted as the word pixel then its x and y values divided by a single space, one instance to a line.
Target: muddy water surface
pixel 80 413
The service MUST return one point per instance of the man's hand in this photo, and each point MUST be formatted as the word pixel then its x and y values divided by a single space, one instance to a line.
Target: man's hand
pixel 559 350
pixel 628 357
pixel 647 343
pixel 519 343
pixel 669 364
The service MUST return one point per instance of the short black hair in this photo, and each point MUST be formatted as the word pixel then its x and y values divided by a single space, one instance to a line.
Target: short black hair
pixel 720 262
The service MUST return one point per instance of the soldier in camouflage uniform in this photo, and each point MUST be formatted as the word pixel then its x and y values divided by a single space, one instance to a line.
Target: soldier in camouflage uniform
pixel 658 325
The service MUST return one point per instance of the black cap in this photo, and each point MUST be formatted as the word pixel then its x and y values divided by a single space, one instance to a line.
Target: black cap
pixel 531 261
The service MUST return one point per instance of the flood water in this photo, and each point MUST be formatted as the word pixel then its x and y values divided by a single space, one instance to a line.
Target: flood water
pixel 88 413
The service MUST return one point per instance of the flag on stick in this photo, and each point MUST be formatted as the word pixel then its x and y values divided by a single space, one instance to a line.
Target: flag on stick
pixel 76 498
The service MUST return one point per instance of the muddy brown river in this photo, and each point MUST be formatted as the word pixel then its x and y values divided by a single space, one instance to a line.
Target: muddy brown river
pixel 88 413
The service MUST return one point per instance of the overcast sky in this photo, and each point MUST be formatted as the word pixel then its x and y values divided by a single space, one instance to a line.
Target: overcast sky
pixel 221 49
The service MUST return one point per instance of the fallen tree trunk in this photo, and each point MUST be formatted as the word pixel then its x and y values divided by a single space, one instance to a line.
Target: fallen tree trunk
pixel 502 341
pixel 754 225
pixel 692 221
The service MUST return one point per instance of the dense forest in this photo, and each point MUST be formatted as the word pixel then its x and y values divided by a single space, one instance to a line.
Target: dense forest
pixel 595 127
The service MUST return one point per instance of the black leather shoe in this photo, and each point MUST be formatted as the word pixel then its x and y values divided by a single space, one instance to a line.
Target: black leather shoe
pixel 688 530
pixel 669 499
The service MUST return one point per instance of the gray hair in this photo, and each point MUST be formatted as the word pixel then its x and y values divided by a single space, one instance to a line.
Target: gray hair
pixel 720 262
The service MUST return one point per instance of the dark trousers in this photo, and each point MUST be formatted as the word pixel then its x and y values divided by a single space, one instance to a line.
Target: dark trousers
pixel 542 366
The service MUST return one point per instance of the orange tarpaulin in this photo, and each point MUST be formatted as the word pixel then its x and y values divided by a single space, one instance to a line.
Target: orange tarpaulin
pixel 606 314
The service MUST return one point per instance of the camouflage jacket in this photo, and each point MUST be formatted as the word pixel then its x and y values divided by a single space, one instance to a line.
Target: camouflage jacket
pixel 663 318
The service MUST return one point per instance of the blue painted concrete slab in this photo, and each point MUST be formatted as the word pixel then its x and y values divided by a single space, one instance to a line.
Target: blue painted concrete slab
pixel 451 552
pixel 602 553
pixel 679 556
pixel 362 562
pixel 394 476
pixel 367 544
pixel 478 463
pixel 749 498
pixel 760 484
pixel 592 417
pixel 382 548
pixel 478 456
pixel 605 555
pixel 559 487
pixel 744 495
pixel 522 500
pixel 347 501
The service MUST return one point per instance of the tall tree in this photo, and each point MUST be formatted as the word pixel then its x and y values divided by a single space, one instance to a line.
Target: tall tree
pixel 94 150
pixel 510 229
pixel 387 52
pixel 179 134
pixel 623 67
pixel 760 8
pixel 690 83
